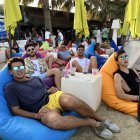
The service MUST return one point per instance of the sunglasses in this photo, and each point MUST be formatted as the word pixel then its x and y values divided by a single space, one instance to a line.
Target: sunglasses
pixel 123 57
pixel 29 50
pixel 16 68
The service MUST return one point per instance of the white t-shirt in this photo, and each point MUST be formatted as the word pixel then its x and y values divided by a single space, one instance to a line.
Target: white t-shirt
pixel 37 71
pixel 99 37
pixel 60 35
pixel 84 62
pixel 47 35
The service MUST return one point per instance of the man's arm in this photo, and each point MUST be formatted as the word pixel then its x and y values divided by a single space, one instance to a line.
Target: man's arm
pixel 72 52
pixel 119 89
pixel 20 112
pixel 52 90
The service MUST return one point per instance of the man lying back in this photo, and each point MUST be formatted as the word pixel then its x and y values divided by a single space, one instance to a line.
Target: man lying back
pixel 29 97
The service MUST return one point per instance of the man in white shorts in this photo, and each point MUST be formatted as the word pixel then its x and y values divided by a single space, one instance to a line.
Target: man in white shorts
pixel 81 63
pixel 38 67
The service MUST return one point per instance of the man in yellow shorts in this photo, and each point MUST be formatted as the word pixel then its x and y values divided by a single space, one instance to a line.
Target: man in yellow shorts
pixel 30 98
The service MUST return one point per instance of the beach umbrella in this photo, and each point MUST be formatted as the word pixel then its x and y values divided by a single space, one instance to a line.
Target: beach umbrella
pixel 132 18
pixel 125 27
pixel 12 15
pixel 80 19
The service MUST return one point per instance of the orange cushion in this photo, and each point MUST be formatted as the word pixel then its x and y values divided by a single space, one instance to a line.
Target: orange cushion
pixel 108 89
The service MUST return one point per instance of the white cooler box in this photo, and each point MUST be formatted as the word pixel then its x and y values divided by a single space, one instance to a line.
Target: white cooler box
pixel 87 87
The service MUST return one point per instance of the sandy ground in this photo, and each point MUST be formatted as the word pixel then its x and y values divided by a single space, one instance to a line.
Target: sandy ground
pixel 130 127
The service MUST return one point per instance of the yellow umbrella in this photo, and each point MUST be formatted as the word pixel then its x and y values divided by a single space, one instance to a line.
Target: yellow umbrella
pixel 137 24
pixel 132 18
pixel 119 31
pixel 12 14
pixel 125 23
pixel 80 19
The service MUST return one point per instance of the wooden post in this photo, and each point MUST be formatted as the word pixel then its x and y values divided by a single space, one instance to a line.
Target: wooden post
pixel 10 44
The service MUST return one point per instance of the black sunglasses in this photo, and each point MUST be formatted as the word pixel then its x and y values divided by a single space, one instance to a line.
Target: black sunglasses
pixel 29 50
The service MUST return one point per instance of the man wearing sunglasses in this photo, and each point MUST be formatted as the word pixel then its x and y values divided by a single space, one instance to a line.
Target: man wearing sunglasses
pixel 28 97
pixel 38 67
pixel 126 80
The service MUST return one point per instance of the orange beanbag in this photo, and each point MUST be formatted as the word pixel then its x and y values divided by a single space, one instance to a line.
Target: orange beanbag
pixel 108 89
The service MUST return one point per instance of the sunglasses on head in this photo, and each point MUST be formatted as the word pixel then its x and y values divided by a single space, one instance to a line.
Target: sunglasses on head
pixel 16 68
pixel 29 50
pixel 123 57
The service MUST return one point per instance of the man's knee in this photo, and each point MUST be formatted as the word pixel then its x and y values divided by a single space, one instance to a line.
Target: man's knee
pixel 93 58
pixel 52 120
pixel 55 71
pixel 74 63
pixel 51 56
pixel 67 99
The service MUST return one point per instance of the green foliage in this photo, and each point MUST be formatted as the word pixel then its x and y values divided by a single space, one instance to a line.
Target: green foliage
pixel 109 9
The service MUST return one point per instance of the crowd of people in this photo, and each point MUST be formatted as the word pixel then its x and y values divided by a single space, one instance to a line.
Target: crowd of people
pixel 27 95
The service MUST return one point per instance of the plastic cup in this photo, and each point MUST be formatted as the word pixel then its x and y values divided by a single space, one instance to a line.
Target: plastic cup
pixel 85 70
pixel 95 71
pixel 66 73
pixel 72 71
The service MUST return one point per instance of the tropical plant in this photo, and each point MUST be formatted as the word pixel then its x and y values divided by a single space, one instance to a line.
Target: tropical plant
pixel 46 9
pixel 102 10
pixel 112 9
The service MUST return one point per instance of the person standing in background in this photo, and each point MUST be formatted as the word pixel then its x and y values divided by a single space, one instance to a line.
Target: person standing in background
pixel 60 38
pixel 99 37
pixel 28 35
pixel 48 38
pixel 105 33
pixel 34 34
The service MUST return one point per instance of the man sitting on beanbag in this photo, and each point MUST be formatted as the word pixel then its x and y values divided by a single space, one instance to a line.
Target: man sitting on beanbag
pixel 126 80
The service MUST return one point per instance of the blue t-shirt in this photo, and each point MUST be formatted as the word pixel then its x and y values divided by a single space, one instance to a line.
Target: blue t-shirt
pixel 64 54
pixel 30 95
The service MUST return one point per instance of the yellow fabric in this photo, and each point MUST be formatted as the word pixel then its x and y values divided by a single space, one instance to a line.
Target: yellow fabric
pixel 132 18
pixel 80 19
pixel 125 23
pixel 45 46
pixel 108 89
pixel 12 14
pixel 137 24
pixel 132 28
pixel 119 31
pixel 53 101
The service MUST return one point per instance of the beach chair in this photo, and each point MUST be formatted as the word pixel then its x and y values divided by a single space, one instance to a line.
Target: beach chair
pixel 108 89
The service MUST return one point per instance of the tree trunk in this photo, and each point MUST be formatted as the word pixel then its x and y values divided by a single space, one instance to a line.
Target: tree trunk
pixel 47 15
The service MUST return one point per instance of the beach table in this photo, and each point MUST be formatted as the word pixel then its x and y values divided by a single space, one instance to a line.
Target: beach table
pixel 87 87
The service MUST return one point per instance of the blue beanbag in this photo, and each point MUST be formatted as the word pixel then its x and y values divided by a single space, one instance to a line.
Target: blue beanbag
pixel 90 52
pixel 113 45
pixel 21 128
pixel 18 54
